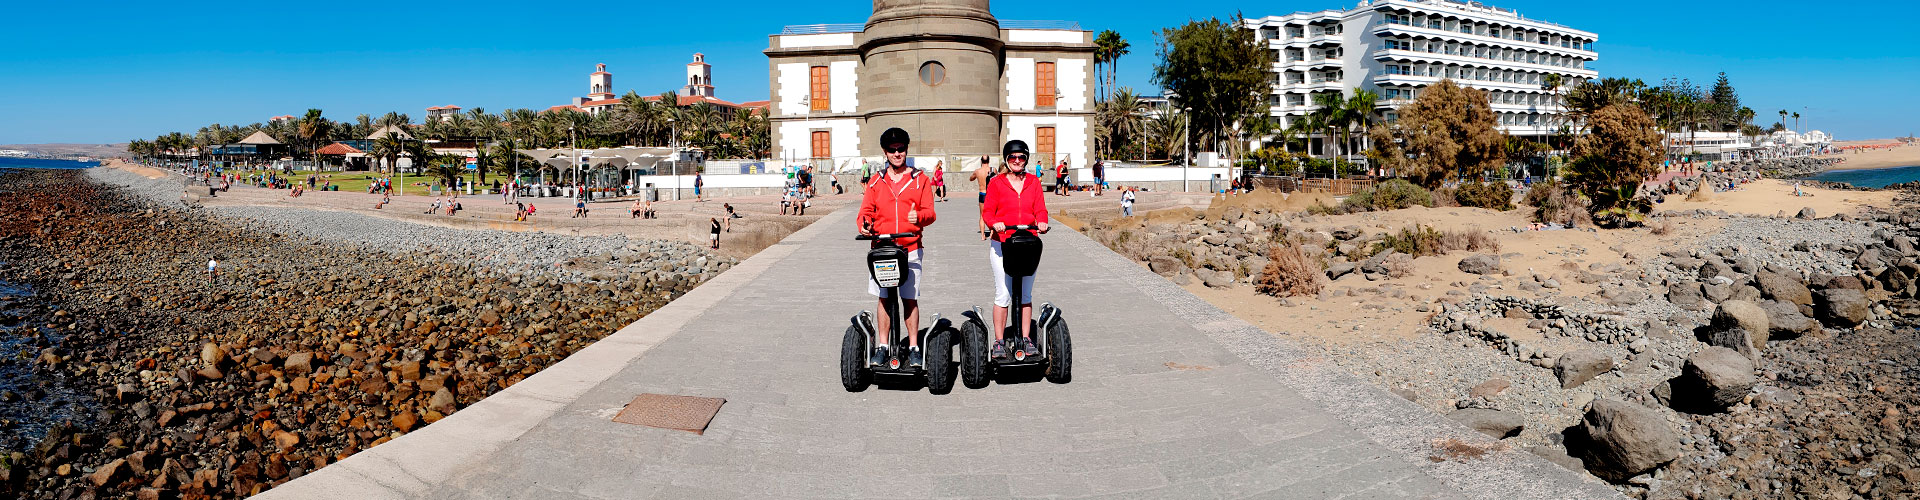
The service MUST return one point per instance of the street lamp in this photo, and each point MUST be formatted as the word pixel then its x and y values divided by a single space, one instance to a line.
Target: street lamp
pixel 673 139
pixel 1187 126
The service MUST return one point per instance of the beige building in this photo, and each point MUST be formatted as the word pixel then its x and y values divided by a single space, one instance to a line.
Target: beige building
pixel 959 80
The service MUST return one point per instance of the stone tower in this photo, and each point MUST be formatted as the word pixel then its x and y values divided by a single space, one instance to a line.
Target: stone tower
pixel 956 43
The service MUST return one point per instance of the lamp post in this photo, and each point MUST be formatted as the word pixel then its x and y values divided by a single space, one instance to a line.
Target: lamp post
pixel 673 141
pixel 574 144
pixel 1187 126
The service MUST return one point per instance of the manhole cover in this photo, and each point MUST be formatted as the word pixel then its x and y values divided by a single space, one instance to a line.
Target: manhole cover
pixel 685 413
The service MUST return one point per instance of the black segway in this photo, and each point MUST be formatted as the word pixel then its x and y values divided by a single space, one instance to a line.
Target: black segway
pixel 887 267
pixel 1021 252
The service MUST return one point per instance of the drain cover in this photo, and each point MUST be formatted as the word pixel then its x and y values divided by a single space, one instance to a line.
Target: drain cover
pixel 686 413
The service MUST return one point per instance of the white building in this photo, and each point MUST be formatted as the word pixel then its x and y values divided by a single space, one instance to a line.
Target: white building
pixel 1398 47
pixel 442 113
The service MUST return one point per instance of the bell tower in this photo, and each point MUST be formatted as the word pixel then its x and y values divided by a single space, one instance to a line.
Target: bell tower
pixel 600 83
pixel 699 77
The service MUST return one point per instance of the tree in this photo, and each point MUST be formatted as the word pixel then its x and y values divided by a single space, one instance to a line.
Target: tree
pixel 1330 113
pixel 1360 113
pixel 1622 149
pixel 1217 68
pixel 1108 47
pixel 1117 123
pixel 1726 105
pixel 1166 132
pixel 1796 122
pixel 1447 129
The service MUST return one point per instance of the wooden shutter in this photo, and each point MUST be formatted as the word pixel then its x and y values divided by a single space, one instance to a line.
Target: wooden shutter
pixel 817 80
pixel 822 144
pixel 1043 139
pixel 1043 83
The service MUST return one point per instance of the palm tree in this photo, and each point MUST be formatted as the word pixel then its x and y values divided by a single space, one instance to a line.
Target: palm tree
pixel 1330 114
pixel 1796 122
pixel 312 129
pixel 1114 47
pixel 1783 116
pixel 1118 122
pixel 1360 111
pixel 1167 132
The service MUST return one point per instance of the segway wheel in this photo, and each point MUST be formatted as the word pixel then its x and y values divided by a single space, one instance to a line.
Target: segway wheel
pixel 854 374
pixel 939 360
pixel 1059 352
pixel 973 354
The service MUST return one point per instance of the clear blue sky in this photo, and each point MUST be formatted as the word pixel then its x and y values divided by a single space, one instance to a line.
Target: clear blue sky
pixel 109 72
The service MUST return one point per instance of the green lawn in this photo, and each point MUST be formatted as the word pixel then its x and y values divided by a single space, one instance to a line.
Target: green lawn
pixel 353 181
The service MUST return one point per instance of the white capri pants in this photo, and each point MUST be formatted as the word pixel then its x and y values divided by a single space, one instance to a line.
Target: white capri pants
pixel 1002 284
pixel 910 287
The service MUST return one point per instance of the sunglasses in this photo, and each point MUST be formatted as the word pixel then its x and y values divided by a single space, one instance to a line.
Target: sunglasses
pixel 1016 157
pixel 897 148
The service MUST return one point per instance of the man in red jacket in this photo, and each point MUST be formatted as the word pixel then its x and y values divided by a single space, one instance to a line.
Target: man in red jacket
pixel 1014 198
pixel 899 199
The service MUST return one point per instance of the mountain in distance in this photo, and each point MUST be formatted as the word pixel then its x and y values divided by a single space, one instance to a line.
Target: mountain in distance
pixel 66 150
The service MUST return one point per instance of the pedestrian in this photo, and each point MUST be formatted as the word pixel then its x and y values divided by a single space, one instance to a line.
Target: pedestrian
pixel 1060 178
pixel 714 236
pixel 1126 202
pixel 730 215
pixel 213 270
pixel 698 182
pixel 1099 178
pixel 940 180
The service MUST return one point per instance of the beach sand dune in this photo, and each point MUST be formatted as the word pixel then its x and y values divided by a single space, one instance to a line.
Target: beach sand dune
pixel 1900 156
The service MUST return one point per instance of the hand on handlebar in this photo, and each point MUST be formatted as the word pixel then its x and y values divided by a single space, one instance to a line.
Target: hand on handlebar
pixel 1043 227
pixel 999 226
pixel 867 229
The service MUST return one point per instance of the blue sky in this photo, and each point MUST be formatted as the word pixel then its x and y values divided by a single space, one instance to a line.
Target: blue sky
pixel 108 72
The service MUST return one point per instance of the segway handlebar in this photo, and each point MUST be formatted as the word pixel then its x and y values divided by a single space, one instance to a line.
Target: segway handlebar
pixel 889 236
pixel 1028 227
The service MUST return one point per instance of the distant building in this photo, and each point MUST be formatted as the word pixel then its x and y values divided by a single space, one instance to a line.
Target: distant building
pixel 442 113
pixel 280 118
pixel 959 80
pixel 699 89
pixel 1398 47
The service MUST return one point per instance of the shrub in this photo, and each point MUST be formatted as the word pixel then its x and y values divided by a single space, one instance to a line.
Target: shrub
pixel 1421 241
pixel 1490 195
pixel 1318 208
pixel 1390 195
pixel 1553 202
pixel 1289 272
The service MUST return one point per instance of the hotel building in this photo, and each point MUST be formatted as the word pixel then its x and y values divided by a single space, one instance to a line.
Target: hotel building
pixel 699 89
pixel 1398 47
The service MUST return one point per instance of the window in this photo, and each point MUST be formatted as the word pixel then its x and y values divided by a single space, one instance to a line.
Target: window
pixel 820 90
pixel 933 73
pixel 1493 32
pixel 1043 145
pixel 1043 84
pixel 822 144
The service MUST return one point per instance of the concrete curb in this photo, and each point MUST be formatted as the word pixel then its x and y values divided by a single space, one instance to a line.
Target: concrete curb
pixel 416 463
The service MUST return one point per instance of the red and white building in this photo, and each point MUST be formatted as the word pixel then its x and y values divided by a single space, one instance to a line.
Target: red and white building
pixel 442 113
pixel 699 89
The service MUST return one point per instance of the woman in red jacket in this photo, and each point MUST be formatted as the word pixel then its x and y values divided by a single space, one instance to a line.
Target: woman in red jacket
pixel 1013 198
pixel 899 199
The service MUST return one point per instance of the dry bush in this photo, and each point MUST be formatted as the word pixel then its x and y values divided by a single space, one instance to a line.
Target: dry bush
pixel 1661 226
pixel 1421 241
pixel 1289 272
pixel 1472 241
pixel 1489 195
pixel 1399 265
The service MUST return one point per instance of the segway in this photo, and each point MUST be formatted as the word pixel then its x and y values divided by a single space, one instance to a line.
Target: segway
pixel 1021 256
pixel 887 267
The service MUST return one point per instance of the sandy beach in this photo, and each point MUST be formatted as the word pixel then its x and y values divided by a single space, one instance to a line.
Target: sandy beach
pixel 1899 156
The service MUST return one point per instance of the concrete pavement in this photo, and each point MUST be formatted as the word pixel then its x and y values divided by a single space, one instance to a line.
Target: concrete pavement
pixel 1170 398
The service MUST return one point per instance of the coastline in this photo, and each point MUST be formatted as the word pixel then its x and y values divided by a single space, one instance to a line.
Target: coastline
pixel 1874 159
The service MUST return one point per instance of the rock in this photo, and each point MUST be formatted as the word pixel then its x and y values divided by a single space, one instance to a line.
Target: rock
pixel 1338 269
pixel 489 318
pixel 1715 292
pixel 1558 457
pixel 1779 287
pixel 442 401
pixel 285 440
pixel 1165 266
pixel 1346 233
pixel 1496 423
pixel 1713 379
pixel 1841 307
pixel 1622 440
pixel 1806 213
pixel 1490 388
pixel 1715 268
pixel 1577 367
pixel 1784 321
pixel 408 370
pixel 1480 264
pixel 1736 338
pixel 1222 280
pixel 110 473
pixel 1685 294
pixel 404 421
pixel 212 354
pixel 1744 315
pixel 299 363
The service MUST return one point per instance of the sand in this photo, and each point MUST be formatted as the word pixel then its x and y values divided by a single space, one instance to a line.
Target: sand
pixel 1899 156
pixel 1774 197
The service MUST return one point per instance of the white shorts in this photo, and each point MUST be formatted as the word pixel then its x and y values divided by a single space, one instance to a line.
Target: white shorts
pixel 1002 284
pixel 910 287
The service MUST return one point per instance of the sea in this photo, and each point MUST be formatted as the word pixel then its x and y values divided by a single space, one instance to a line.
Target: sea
pixel 11 162
pixel 1870 177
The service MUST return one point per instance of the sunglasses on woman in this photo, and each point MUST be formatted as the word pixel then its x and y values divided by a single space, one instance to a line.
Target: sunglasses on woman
pixel 1016 157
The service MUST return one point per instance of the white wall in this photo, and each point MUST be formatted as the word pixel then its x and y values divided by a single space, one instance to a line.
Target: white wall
pixel 842 87
pixel 712 181
pixel 1020 83
pixel 1046 36
pixel 823 40
pixel 1153 174
pixel 1070 75
pixel 1070 135
pixel 793 88
pixel 796 137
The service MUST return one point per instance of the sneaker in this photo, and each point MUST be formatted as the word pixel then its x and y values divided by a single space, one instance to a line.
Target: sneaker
pixel 1027 345
pixel 999 349
pixel 879 356
pixel 914 358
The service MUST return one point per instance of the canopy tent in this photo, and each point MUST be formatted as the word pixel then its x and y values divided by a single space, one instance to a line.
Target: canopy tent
pixel 389 129
pixel 624 158
pixel 259 138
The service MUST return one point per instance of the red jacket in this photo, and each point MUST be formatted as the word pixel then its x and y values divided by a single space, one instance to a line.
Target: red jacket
pixel 1029 206
pixel 886 203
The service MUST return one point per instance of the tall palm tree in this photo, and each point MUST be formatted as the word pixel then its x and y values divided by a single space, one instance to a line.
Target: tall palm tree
pixel 1113 46
pixel 1783 116
pixel 1360 111
pixel 1331 115
pixel 1118 122
pixel 1167 132
pixel 390 147
pixel 1796 122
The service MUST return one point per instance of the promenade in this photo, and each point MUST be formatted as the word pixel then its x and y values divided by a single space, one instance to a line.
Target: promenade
pixel 1171 398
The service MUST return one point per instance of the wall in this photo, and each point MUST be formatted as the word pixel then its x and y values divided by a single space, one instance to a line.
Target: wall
pixel 1019 84
pixel 796 137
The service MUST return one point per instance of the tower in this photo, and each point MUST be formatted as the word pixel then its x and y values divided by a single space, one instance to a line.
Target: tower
pixel 699 77
pixel 962 38
pixel 600 83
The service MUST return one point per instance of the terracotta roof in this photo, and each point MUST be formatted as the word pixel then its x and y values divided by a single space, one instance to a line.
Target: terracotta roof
pixel 599 103
pixel 755 104
pixel 566 107
pixel 337 149
pixel 689 100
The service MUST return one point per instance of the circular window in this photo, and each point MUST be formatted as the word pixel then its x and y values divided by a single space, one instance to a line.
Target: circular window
pixel 933 73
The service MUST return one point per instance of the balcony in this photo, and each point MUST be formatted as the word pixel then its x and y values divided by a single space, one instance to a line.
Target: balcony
pixel 1383 28
pixel 1302 64
pixel 1467 60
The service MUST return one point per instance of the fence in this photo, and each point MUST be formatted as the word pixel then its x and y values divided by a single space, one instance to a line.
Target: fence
pixel 1290 184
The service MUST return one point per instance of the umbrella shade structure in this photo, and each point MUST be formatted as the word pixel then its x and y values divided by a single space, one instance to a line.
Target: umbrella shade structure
pixel 338 149
pixel 260 138
pixel 625 158
pixel 390 129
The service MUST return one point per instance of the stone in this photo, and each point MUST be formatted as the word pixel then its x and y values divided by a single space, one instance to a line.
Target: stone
pixel 442 401
pixel 1784 320
pixel 1490 388
pixel 212 354
pixel 408 370
pixel 404 421
pixel 1713 379
pixel 1496 423
pixel 1806 213
pixel 1715 292
pixel 1841 307
pixel 1736 338
pixel 1165 265
pixel 1338 269
pixel 1744 315
pixel 1622 440
pixel 1221 280
pixel 1346 233
pixel 1558 457
pixel 1577 367
pixel 1685 294
pixel 1480 264
pixel 298 363
pixel 1782 288
pixel 489 318
pixel 109 473
pixel 1715 268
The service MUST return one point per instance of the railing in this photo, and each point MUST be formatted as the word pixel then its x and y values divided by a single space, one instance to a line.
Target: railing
pixel 821 29
pixel 1006 24
pixel 1291 184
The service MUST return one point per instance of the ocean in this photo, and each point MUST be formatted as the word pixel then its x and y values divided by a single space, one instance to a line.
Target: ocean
pixel 1870 178
pixel 11 162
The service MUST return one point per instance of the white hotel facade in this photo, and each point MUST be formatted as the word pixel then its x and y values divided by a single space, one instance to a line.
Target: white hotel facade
pixel 1398 47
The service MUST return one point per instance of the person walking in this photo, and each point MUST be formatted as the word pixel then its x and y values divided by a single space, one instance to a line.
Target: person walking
pixel 698 182
pixel 940 180
pixel 1126 202
pixel 1100 178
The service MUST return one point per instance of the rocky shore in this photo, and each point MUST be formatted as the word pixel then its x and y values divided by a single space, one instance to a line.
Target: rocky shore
pixel 323 334
pixel 1764 357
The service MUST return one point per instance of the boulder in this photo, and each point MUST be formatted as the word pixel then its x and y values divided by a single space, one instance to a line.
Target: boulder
pixel 1784 320
pixel 300 362
pixel 1490 388
pixel 1165 266
pixel 1577 367
pixel 1346 233
pixel 1714 267
pixel 1480 264
pixel 212 354
pixel 1496 423
pixel 1744 315
pixel 1713 379
pixel 1735 338
pixel 1686 294
pixel 1715 292
pixel 1338 269
pixel 1221 280
pixel 1806 213
pixel 1841 307
pixel 1623 440
pixel 1782 288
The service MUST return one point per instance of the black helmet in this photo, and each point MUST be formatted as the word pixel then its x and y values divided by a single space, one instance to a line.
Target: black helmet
pixel 1015 146
pixel 894 136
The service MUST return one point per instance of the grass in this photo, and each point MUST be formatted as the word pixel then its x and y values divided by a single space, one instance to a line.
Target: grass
pixel 357 181
pixel 1289 272
pixel 1424 240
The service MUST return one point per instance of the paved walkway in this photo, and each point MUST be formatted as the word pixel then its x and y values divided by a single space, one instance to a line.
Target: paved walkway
pixel 1170 398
